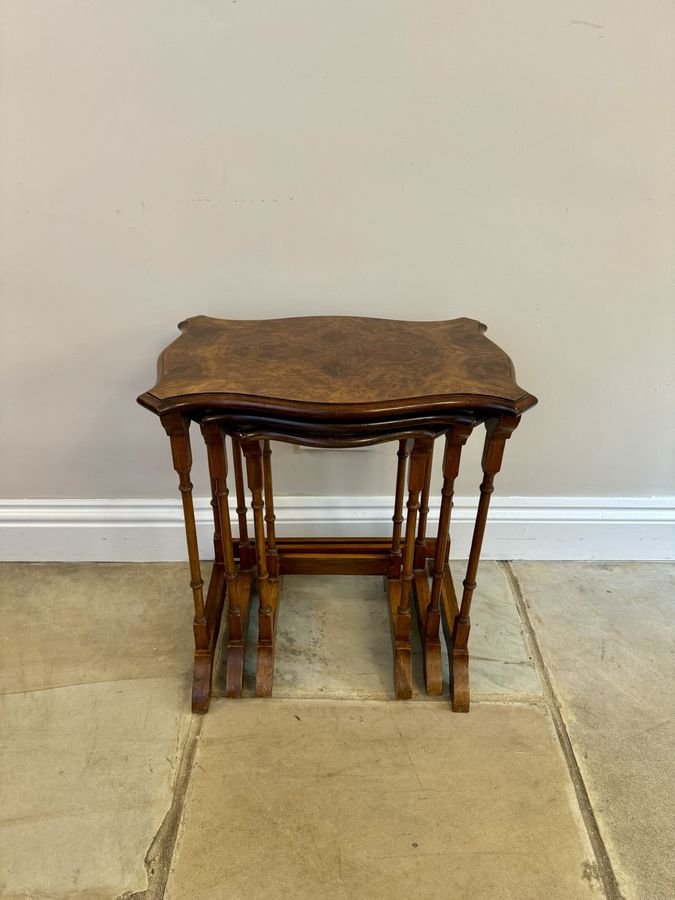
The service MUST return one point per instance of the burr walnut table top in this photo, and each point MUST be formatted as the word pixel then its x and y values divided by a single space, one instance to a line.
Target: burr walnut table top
pixel 338 367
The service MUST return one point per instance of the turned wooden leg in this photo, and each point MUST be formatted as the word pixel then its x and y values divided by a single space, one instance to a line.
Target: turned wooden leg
pixel 218 582
pixel 246 563
pixel 217 458
pixel 217 535
pixel 246 551
pixel 428 604
pixel 177 428
pixel 270 518
pixel 399 591
pixel 238 605
pixel 404 448
pixel 421 540
pixel 268 590
pixel 498 431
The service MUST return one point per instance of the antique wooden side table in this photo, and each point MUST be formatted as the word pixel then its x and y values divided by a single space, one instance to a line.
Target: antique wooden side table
pixel 333 381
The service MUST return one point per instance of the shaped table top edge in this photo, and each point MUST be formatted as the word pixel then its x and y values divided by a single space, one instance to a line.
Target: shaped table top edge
pixel 260 404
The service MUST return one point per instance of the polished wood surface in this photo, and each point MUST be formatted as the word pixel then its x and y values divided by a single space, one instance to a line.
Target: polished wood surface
pixel 207 615
pixel 498 431
pixel 404 449
pixel 343 366
pixel 427 602
pixel 268 587
pixel 334 382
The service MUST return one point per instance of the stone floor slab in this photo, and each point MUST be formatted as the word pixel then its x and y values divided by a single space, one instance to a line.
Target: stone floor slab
pixel 499 662
pixel 607 636
pixel 307 799
pixel 334 640
pixel 74 623
pixel 88 773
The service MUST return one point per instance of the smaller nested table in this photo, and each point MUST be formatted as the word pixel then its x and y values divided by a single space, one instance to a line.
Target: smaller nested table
pixel 334 381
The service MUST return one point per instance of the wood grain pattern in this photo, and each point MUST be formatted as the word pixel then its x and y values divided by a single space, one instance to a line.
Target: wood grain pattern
pixel 333 381
pixel 340 365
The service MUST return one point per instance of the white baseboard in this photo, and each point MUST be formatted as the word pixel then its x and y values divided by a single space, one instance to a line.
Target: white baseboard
pixel 547 528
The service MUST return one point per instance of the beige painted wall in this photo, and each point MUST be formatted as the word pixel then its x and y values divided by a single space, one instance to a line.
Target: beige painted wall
pixel 508 161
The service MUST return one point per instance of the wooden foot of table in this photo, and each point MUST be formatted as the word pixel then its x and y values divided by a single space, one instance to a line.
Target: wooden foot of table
pixel 267 624
pixel 401 646
pixel 202 677
pixel 399 589
pixel 458 657
pixel 459 692
pixel 457 620
pixel 236 639
pixel 268 584
pixel 238 626
pixel 206 622
pixel 201 682
pixel 431 644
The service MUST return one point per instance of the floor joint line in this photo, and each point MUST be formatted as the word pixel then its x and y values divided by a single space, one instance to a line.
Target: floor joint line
pixel 160 853
pixel 606 872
